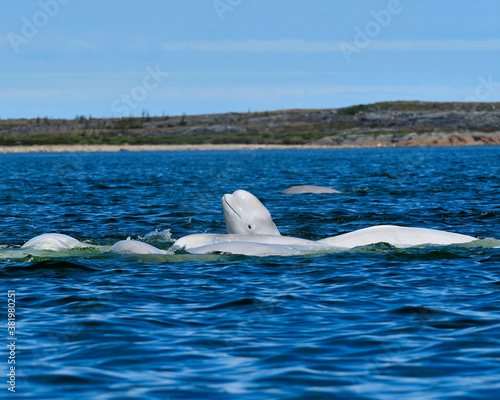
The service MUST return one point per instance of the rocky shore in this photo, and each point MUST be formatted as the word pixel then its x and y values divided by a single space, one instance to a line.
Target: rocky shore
pixel 413 139
pixel 388 124
pixel 107 148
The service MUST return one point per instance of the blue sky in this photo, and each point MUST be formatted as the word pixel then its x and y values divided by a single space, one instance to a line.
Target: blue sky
pixel 62 58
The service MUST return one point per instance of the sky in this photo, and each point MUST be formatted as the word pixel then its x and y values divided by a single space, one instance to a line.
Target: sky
pixel 113 58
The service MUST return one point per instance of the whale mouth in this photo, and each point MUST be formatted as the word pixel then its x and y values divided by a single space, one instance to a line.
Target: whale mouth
pixel 224 200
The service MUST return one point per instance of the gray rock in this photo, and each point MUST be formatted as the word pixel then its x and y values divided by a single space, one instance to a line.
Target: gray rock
pixel 334 140
pixel 409 136
pixel 386 138
pixel 358 138
pixel 214 129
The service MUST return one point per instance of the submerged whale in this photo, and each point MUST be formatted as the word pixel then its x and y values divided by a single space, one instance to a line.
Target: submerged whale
pixel 302 189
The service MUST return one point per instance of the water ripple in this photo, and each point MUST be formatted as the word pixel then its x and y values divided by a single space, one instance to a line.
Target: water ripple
pixel 373 323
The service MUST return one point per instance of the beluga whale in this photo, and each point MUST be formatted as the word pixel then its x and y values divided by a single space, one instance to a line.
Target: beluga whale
pixel 305 189
pixel 60 242
pixel 245 214
pixel 397 236
pixel 130 246
pixel 54 242
pixel 250 231
pixel 249 221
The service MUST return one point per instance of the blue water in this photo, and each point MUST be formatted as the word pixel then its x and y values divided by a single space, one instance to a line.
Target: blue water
pixel 372 323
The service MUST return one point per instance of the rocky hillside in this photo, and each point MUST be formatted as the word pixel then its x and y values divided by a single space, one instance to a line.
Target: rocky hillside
pixel 379 124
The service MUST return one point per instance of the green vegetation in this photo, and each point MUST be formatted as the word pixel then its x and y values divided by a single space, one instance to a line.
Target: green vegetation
pixel 294 127
pixel 353 110
pixel 227 138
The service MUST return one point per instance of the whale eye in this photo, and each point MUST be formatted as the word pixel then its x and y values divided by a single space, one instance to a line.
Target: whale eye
pixel 249 226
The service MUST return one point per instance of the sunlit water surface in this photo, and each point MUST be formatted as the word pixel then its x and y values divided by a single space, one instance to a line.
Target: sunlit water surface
pixel 372 323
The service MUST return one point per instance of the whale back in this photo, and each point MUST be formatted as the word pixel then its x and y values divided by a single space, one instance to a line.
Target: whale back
pixel 398 236
pixel 53 242
pixel 134 247
pixel 302 189
pixel 245 214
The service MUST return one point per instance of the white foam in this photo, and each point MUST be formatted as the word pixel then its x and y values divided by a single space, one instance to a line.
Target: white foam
pixel 158 236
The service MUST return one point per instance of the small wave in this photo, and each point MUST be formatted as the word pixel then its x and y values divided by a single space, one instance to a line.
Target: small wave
pixel 376 248
pixel 38 266
pixel 59 265
pixel 164 236
pixel 417 310
pixel 244 302
pixel 462 323
pixel 491 259
pixel 489 243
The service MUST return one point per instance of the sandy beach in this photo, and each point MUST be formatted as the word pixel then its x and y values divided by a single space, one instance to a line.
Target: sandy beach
pixel 425 140
pixel 104 148
pixel 115 148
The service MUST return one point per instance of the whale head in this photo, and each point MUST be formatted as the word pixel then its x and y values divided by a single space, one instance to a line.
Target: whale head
pixel 245 214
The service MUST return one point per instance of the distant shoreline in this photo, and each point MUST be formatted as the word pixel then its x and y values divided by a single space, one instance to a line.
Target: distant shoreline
pixel 103 148
pixel 385 124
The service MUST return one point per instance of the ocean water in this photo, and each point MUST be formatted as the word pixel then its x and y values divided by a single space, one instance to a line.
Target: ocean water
pixel 371 323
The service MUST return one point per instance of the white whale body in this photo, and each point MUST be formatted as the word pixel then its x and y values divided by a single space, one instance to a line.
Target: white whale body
pixel 252 232
pixel 244 248
pixel 252 245
pixel 54 242
pixel 61 242
pixel 240 242
pixel 249 221
pixel 398 236
pixel 135 247
pixel 302 189
pixel 203 239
